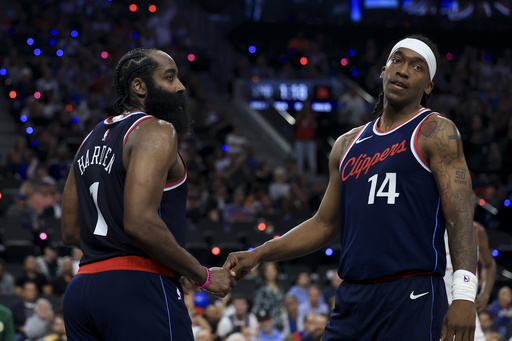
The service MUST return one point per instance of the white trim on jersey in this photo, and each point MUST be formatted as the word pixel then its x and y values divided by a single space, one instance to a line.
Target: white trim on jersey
pixel 415 152
pixel 145 117
pixel 382 133
pixel 117 118
pixel 171 187
pixel 354 141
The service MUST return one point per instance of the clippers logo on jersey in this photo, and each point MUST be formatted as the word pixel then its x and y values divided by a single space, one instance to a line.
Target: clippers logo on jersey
pixel 105 135
pixel 354 166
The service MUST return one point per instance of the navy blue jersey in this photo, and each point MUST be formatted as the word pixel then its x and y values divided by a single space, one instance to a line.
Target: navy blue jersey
pixel 391 221
pixel 100 177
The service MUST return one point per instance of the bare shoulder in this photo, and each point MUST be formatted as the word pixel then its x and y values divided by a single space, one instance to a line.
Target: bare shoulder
pixel 439 137
pixel 152 140
pixel 344 141
pixel 152 133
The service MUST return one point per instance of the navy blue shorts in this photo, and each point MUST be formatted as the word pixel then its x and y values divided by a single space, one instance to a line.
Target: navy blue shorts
pixel 410 308
pixel 125 305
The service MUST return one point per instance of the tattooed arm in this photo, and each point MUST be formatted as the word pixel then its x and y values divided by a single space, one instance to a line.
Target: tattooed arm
pixel 440 142
pixel 307 237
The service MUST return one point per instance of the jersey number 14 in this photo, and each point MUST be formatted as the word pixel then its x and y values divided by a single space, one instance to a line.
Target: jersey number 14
pixel 387 189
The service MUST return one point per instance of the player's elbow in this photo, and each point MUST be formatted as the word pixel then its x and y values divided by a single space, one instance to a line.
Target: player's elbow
pixel 70 227
pixel 132 225
pixel 70 235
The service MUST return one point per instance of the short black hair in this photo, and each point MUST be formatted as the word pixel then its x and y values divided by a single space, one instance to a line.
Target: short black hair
pixel 379 106
pixel 134 63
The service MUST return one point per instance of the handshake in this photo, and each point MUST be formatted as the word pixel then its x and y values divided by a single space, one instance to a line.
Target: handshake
pixel 220 280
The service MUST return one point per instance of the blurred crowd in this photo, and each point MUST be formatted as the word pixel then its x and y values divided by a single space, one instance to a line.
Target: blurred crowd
pixel 63 90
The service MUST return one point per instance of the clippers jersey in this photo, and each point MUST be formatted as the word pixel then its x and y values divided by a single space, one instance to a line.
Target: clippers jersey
pixel 391 221
pixel 100 178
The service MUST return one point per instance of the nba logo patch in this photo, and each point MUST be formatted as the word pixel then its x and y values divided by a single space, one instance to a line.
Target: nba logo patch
pixel 466 279
pixel 105 135
pixel 179 294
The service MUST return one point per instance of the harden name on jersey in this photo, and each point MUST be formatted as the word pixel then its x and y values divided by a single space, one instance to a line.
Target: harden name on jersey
pixel 101 155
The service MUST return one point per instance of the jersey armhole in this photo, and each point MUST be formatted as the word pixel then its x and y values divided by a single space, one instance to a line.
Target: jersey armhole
pixel 359 133
pixel 414 143
pixel 133 127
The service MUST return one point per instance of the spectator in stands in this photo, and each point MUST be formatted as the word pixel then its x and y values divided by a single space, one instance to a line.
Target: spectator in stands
pixel 39 324
pixel 293 323
pixel 279 188
pixel 300 194
pixel 18 157
pixel 67 272
pixel 61 164
pixel 494 337
pixel 43 196
pixel 49 264
pixel 264 174
pixel 32 274
pixel 236 211
pixel 7 280
pixel 218 200
pixel 236 141
pixel 269 296
pixel 213 314
pixel 251 161
pixel 305 142
pixel 254 201
pixel 198 321
pixel 314 304
pixel 58 330
pixel 501 310
pixel 24 309
pixel 238 321
pixel 22 209
pixel 320 321
pixel 301 287
pixel 7 324
pixel 237 337
pixel 351 110
pixel 486 322
pixel 266 328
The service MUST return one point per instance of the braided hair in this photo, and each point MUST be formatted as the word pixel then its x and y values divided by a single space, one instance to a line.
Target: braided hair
pixel 379 106
pixel 135 63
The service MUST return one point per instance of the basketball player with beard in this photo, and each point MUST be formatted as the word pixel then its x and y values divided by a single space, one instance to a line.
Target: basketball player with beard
pixel 124 206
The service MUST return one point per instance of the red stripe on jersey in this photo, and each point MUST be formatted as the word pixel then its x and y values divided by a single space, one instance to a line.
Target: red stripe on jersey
pixel 133 127
pixel 359 133
pixel 398 126
pixel 184 175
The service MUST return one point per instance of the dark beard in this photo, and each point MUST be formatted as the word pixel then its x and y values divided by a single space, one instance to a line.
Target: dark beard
pixel 170 107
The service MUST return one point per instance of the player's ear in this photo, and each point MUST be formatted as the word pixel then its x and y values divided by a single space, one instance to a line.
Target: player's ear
pixel 139 86
pixel 429 88
pixel 382 73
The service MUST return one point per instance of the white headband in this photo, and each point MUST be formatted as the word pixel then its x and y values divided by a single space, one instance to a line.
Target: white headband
pixel 421 48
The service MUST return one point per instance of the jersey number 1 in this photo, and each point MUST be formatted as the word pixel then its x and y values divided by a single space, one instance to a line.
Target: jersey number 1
pixel 386 189
pixel 101 225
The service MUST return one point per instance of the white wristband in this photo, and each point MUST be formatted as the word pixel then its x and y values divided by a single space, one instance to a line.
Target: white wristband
pixel 464 286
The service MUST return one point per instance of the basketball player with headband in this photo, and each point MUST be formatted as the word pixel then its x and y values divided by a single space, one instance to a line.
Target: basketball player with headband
pixel 396 184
